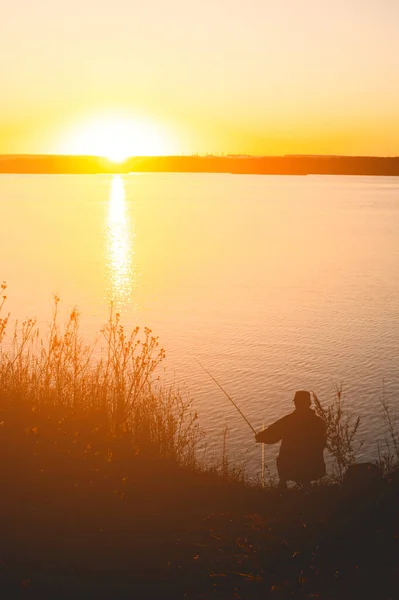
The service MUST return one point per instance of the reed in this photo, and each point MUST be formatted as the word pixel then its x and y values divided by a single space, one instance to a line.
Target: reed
pixel 388 450
pixel 117 385
pixel 342 429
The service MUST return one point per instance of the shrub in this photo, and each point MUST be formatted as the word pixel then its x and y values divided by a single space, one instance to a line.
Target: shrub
pixel 341 432
pixel 388 452
pixel 120 383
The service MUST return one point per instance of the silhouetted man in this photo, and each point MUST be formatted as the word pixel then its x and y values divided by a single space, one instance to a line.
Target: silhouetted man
pixel 303 439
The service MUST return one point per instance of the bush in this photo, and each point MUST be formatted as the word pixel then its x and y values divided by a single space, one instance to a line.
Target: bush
pixel 341 432
pixel 118 386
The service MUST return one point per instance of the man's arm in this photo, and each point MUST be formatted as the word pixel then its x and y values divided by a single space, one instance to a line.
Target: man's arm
pixel 272 434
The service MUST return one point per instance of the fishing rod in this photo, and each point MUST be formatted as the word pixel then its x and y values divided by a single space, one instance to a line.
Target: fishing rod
pixel 226 394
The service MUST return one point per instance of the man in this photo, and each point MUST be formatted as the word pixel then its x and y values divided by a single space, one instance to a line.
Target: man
pixel 303 439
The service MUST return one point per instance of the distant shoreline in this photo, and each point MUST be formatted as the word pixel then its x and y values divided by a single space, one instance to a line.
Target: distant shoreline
pixel 239 165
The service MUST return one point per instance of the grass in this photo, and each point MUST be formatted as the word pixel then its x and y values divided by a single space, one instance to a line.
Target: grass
pixel 341 433
pixel 102 495
pixel 117 392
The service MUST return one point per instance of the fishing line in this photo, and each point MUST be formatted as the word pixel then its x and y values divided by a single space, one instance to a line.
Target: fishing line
pixel 226 394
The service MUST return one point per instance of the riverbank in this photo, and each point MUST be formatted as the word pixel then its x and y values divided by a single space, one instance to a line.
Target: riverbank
pixel 84 513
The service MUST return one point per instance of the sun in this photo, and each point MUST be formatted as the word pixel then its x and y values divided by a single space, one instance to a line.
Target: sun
pixel 116 137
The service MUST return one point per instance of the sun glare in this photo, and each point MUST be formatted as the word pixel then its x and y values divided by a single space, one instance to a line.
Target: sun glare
pixel 117 138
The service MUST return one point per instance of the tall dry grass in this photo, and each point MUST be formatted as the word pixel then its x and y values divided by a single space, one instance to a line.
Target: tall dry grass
pixel 388 449
pixel 116 386
pixel 342 433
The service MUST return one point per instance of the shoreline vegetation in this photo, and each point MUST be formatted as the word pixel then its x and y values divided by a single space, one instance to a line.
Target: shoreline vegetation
pixel 266 165
pixel 103 496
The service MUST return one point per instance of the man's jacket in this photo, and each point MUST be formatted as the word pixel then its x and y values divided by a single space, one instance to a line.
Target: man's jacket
pixel 303 439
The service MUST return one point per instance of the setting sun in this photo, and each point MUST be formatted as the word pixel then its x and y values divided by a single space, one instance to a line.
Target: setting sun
pixel 116 138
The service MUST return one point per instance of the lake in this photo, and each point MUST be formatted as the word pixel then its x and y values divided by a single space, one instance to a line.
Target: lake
pixel 275 283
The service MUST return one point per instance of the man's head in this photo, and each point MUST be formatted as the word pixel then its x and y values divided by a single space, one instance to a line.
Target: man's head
pixel 302 400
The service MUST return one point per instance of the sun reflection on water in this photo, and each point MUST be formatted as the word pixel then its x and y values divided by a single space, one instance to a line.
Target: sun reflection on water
pixel 120 246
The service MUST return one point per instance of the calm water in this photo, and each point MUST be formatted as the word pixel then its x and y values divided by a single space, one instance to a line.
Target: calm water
pixel 274 283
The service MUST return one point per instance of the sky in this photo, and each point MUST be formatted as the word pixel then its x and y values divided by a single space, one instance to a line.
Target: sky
pixel 208 76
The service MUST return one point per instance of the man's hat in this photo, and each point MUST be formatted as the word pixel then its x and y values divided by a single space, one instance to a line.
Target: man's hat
pixel 302 399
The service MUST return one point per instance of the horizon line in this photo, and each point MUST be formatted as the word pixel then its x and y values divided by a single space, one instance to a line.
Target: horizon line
pixel 193 155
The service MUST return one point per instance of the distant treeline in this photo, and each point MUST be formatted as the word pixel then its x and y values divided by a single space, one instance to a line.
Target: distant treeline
pixel 261 165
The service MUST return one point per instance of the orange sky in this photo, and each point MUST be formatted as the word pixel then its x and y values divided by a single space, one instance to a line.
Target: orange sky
pixel 209 76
